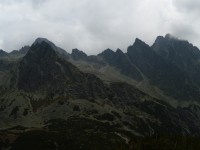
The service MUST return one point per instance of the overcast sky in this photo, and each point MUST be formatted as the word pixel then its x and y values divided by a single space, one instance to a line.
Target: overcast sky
pixel 94 25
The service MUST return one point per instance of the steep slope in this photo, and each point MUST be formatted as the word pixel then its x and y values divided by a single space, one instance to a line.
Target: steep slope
pixel 76 54
pixel 120 61
pixel 142 67
pixel 3 53
pixel 161 73
pixel 41 67
pixel 55 105
pixel 61 52
pixel 180 53
pixel 19 53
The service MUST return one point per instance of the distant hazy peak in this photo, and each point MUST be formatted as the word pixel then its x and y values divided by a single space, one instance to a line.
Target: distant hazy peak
pixel 140 43
pixel 160 38
pixel 119 51
pixel 3 53
pixel 170 36
pixel 77 51
pixel 41 40
pixel 107 52
pixel 58 50
pixel 24 49
pixel 77 54
pixel 2 50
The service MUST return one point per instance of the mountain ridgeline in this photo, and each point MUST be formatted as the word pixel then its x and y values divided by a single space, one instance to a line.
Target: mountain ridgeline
pixel 171 65
pixel 51 99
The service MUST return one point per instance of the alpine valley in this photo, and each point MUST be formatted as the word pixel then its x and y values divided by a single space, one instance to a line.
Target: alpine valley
pixel 147 98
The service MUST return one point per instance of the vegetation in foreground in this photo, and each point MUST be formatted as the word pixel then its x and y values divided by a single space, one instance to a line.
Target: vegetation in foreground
pixel 88 134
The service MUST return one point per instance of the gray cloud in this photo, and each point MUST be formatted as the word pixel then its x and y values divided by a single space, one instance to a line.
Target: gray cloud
pixel 187 5
pixel 94 25
pixel 186 23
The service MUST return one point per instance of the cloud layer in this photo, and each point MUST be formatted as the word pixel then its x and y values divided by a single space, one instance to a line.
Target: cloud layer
pixel 94 25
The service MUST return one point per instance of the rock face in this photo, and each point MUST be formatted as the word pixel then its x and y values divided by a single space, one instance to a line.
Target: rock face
pixel 41 67
pixel 77 54
pixel 162 73
pixel 148 68
pixel 180 53
pixel 21 52
pixel 53 95
pixel 24 49
pixel 3 53
pixel 43 70
pixel 120 61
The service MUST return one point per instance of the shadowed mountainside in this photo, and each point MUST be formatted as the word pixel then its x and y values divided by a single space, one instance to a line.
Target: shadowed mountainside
pixel 61 100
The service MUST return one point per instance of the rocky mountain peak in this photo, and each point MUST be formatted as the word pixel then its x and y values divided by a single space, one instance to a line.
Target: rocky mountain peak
pixel 3 53
pixel 170 46
pixel 119 51
pixel 24 49
pixel 38 67
pixel 77 54
pixel 41 50
pixel 139 42
pixel 138 47
pixel 167 39
pixel 61 52
pixel 40 40
pixel 169 36
pixel 159 39
pixel 44 40
pixel 108 50
pixel 180 53
pixel 107 53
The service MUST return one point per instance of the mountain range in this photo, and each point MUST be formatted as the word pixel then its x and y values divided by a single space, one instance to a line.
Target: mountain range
pixel 144 98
